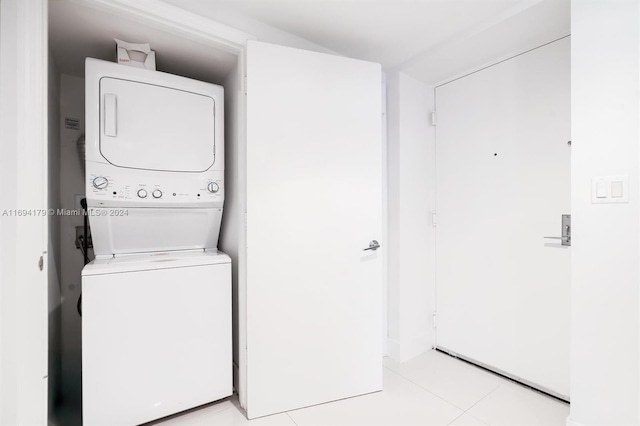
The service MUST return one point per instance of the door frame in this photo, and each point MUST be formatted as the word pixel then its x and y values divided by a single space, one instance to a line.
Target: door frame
pixel 180 22
pixel 436 346
pixel 24 328
pixel 23 290
pixel 183 23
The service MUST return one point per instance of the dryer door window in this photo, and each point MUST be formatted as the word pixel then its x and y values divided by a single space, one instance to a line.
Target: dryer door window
pixel 144 126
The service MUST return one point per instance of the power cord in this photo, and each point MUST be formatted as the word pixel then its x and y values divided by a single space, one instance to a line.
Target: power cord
pixel 84 247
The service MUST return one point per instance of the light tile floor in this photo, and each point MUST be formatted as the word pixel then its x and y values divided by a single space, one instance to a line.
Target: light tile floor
pixel 433 389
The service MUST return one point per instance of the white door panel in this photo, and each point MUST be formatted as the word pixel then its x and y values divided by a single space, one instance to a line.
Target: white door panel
pixel 24 228
pixel 144 126
pixel 313 205
pixel 503 182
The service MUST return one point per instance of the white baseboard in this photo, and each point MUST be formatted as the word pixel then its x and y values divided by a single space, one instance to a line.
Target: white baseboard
pixel 571 422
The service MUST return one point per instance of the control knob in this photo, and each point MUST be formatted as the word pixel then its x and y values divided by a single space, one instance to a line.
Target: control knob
pixel 142 193
pixel 213 187
pixel 100 182
pixel 157 193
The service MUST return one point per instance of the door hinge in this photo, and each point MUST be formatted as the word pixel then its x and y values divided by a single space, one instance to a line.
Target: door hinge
pixel 434 219
pixel 434 323
pixel 41 263
pixel 245 84
pixel 433 118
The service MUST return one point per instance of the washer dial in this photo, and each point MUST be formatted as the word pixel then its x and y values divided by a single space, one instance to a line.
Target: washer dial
pixel 213 187
pixel 142 193
pixel 157 193
pixel 100 182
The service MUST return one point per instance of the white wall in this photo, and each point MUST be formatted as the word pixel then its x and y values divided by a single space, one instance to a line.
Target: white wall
pixel 72 261
pixel 605 251
pixel 55 330
pixel 411 185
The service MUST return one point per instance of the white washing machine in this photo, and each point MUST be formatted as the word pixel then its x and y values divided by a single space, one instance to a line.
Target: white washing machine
pixel 156 335
pixel 156 317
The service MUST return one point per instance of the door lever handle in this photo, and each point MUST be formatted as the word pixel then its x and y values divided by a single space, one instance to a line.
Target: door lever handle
pixel 566 231
pixel 373 245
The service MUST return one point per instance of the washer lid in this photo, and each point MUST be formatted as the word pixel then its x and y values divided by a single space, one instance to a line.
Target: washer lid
pixel 151 127
pixel 153 261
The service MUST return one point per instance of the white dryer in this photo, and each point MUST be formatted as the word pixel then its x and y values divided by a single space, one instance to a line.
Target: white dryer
pixel 154 160
pixel 156 317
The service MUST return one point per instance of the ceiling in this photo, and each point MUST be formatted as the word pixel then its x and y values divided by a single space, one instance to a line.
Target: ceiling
pixel 432 40
pixel 429 39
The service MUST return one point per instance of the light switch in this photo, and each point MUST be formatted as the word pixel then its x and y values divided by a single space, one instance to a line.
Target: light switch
pixel 616 189
pixel 610 189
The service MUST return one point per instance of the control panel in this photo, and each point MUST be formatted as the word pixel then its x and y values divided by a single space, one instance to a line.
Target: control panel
pixel 153 189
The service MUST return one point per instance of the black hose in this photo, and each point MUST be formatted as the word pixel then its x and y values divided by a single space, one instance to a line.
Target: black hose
pixel 85 242
pixel 85 247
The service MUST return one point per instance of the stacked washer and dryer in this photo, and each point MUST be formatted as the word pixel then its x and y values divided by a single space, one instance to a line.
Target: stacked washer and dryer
pixel 156 317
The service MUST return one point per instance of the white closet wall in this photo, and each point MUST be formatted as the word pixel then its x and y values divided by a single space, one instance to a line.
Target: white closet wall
pixel 411 198
pixel 71 260
pixel 55 309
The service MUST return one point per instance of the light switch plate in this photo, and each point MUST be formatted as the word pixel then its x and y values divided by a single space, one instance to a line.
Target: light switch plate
pixel 610 189
pixel 617 189
pixel 602 190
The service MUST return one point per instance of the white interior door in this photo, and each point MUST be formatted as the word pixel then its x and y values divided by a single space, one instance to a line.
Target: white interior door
pixel 503 183
pixel 313 294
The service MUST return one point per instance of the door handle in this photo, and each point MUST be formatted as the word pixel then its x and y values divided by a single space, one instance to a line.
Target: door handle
pixel 564 239
pixel 566 231
pixel 373 245
pixel 110 115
